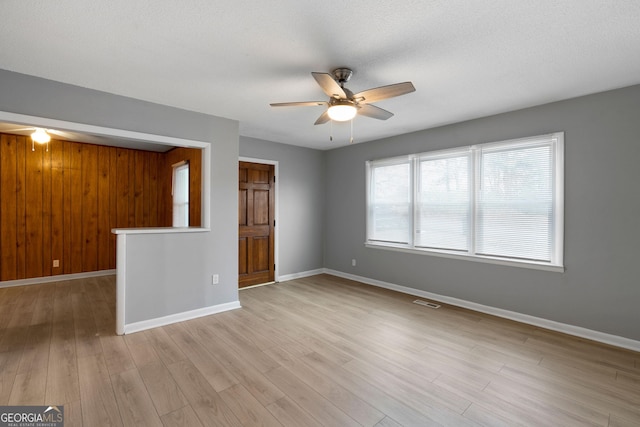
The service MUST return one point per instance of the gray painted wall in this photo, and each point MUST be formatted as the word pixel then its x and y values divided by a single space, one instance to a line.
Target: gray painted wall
pixel 300 200
pixel 600 289
pixel 170 273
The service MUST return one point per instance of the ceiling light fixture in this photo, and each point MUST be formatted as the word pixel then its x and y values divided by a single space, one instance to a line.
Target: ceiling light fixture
pixel 41 136
pixel 342 110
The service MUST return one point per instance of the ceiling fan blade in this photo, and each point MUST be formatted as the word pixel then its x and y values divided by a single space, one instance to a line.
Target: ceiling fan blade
pixel 374 112
pixel 298 104
pixel 63 134
pixel 384 92
pixel 324 118
pixel 19 129
pixel 329 85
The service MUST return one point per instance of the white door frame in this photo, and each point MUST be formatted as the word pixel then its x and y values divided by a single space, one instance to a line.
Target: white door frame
pixel 275 164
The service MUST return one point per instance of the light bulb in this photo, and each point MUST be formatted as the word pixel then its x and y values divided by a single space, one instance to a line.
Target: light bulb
pixel 41 136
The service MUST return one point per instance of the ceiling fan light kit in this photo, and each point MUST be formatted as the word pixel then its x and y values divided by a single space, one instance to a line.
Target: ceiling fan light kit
pixel 342 110
pixel 41 136
pixel 344 105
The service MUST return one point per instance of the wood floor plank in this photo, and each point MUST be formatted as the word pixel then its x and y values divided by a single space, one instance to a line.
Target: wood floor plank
pixel 134 402
pixel 87 337
pixel 312 402
pixel 9 364
pixel 629 379
pixel 616 421
pixel 29 388
pixel 43 311
pixel 247 409
pixel 343 399
pixel 252 379
pixel 291 415
pixel 99 405
pixel 261 337
pixel 387 422
pixel 140 349
pixel 401 384
pixel 491 406
pixel 485 417
pixel 62 371
pixel 164 346
pixel 73 414
pixel 164 391
pixel 604 398
pixel 204 400
pixel 116 354
pixel 374 396
pixel 35 355
pixel 236 342
pixel 182 417
pixel 214 371
pixel 544 406
pixel 15 332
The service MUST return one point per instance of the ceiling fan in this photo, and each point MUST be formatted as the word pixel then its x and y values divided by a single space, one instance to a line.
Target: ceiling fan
pixel 39 135
pixel 343 105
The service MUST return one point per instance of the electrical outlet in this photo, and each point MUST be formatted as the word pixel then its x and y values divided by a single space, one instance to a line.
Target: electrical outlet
pixel 215 279
pixel 56 263
pixel 353 262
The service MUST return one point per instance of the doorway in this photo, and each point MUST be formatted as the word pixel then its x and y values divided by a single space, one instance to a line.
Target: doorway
pixel 256 223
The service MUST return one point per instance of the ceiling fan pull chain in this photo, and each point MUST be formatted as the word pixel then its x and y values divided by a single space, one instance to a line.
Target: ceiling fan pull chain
pixel 331 132
pixel 351 138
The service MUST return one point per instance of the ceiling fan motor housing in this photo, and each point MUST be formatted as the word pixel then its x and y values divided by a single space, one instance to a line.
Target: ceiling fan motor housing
pixel 342 75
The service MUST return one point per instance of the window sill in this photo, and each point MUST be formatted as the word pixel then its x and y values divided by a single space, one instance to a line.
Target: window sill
pixel 476 258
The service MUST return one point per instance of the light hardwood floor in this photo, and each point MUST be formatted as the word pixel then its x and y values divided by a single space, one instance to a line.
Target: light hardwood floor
pixel 309 352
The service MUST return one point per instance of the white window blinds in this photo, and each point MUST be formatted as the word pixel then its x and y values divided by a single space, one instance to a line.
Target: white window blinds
pixel 390 196
pixel 499 201
pixel 515 209
pixel 443 202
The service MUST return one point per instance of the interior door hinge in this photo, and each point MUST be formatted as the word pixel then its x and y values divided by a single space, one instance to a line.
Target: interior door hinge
pixel 274 222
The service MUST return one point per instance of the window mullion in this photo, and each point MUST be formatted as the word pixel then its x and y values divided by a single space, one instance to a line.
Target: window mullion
pixel 414 200
pixel 474 188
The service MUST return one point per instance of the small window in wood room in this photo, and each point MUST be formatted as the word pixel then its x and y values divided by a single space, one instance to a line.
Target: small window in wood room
pixel 180 194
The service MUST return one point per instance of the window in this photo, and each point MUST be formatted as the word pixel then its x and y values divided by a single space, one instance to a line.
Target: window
pixel 497 202
pixel 390 214
pixel 180 194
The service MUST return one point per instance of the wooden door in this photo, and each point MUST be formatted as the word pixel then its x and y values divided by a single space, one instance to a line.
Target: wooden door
pixel 256 224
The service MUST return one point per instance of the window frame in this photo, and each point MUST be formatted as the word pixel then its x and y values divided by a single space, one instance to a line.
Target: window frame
pixel 175 168
pixel 556 140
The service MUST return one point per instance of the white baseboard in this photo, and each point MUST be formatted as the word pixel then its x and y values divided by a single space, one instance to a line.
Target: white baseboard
pixel 300 275
pixel 512 315
pixel 58 278
pixel 179 317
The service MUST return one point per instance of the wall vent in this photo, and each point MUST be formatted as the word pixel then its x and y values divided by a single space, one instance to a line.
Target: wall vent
pixel 427 303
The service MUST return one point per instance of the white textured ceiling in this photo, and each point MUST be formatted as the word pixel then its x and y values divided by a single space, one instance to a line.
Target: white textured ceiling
pixel 231 58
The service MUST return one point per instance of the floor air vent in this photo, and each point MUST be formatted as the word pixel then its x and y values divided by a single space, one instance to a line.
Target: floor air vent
pixel 426 304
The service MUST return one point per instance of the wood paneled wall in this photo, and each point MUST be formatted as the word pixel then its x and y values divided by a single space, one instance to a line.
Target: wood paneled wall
pixel 61 204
